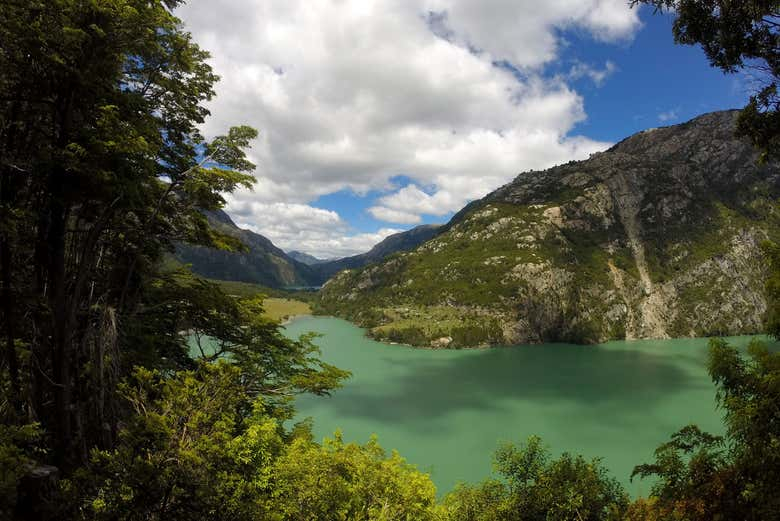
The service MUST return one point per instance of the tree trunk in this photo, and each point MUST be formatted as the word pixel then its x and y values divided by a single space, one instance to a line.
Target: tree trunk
pixel 6 295
pixel 60 330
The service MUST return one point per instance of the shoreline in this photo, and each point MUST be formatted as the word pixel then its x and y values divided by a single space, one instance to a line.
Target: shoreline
pixel 289 318
pixel 764 337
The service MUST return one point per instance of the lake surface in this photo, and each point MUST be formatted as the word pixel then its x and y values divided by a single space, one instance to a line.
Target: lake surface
pixel 447 410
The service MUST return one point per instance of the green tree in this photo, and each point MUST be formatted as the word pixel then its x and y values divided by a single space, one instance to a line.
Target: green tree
pixel 706 477
pixel 694 476
pixel 18 447
pixel 772 252
pixel 536 487
pixel 102 169
pixel 736 35
pixel 223 327
pixel 350 482
pixel 198 446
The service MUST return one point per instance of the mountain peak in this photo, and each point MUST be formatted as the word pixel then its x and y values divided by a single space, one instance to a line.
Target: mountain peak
pixel 658 236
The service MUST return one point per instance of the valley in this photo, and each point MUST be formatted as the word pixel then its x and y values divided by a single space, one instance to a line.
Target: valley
pixel 659 237
pixel 389 261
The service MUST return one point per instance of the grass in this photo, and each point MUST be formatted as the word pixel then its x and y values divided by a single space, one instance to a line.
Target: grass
pixel 281 308
pixel 278 304
pixel 418 326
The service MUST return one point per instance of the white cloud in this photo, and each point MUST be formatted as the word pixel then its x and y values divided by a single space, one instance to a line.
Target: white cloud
pixel 293 226
pixel 383 213
pixel 349 94
pixel 523 32
pixel 669 115
pixel 598 76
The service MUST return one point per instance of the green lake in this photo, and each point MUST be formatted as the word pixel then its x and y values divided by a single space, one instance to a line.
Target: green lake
pixel 447 410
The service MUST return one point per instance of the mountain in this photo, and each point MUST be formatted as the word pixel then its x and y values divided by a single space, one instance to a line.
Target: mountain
pixel 657 237
pixel 268 265
pixel 398 242
pixel 305 258
pixel 263 263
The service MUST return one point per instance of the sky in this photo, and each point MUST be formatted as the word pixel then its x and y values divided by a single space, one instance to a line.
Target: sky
pixel 379 115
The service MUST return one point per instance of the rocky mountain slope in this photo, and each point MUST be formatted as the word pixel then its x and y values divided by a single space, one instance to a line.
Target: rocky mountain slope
pixel 657 237
pixel 398 242
pixel 309 260
pixel 263 263
pixel 268 265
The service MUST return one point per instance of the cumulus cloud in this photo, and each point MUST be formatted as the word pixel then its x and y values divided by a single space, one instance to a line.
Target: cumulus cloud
pixel 523 32
pixel 291 226
pixel 596 75
pixel 350 94
pixel 384 213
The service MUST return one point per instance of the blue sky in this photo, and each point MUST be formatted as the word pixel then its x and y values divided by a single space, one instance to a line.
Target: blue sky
pixel 655 83
pixel 654 76
pixel 373 119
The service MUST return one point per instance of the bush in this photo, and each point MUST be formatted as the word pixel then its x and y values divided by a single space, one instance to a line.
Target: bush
pixel 535 487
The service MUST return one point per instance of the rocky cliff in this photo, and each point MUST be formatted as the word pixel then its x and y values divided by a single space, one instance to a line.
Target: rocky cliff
pixel 657 237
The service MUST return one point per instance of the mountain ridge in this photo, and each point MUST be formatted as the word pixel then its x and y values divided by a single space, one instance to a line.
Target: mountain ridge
pixel 263 262
pixel 644 240
pixel 266 264
pixel 305 258
pixel 397 242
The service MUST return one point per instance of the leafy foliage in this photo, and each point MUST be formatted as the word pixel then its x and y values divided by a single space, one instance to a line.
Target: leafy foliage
pixel 198 447
pixel 18 449
pixel 348 481
pixel 536 487
pixel 102 171
pixel 773 289
pixel 691 464
pixel 706 477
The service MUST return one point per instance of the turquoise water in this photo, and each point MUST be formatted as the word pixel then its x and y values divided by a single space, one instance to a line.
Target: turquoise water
pixel 447 410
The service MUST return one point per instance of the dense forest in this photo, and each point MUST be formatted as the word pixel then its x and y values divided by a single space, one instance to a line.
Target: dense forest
pixel 111 406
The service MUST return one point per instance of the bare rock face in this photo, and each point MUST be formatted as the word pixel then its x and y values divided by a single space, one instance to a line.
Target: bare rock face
pixel 442 342
pixel 660 236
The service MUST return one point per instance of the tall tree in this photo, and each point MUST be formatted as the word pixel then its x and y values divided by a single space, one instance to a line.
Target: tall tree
pixel 737 35
pixel 101 169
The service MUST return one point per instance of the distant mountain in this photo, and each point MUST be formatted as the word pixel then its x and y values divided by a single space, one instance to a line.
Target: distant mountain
pixel 305 258
pixel 263 264
pixel 398 242
pixel 268 265
pixel 657 237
